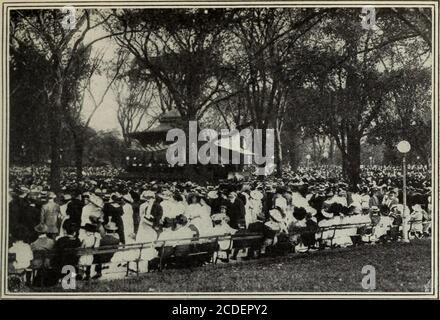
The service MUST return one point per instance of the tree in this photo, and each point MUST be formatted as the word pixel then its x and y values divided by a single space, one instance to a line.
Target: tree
pixel 135 106
pixel 266 63
pixel 407 115
pixel 61 49
pixel 351 77
pixel 180 49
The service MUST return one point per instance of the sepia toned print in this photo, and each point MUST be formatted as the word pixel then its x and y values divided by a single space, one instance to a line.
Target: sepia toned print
pixel 273 149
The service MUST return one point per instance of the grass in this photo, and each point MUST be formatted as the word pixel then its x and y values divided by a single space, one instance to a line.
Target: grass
pixel 399 268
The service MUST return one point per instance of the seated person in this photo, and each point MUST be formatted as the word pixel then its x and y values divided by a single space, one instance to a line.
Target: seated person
pixel 65 255
pixel 308 237
pixel 110 239
pixel 21 250
pixel 89 239
pixel 181 231
pixel 342 235
pixel 328 212
pixel 41 246
pixel 380 231
pixel 274 226
pixel 297 225
pixel 148 235
pixel 416 221
pixel 221 227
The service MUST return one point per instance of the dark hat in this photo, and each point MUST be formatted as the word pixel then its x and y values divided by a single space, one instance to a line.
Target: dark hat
pixel 181 219
pixel 89 227
pixel 41 228
pixel 168 222
pixel 299 213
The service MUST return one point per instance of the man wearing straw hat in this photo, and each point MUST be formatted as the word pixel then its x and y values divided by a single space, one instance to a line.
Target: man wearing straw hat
pixel 50 213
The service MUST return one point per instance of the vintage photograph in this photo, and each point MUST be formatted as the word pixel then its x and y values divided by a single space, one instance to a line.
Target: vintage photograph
pixel 231 148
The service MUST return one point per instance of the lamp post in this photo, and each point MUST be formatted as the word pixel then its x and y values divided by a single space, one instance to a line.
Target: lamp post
pixel 404 147
pixel 371 161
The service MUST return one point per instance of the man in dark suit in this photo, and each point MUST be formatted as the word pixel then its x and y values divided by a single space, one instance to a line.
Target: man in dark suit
pixel 74 209
pixel 235 210
pixel 113 213
pixel 41 249
pixel 110 239
pixel 157 213
pixel 64 253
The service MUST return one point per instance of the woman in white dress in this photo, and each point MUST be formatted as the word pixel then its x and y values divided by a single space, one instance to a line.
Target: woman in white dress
pixel 89 239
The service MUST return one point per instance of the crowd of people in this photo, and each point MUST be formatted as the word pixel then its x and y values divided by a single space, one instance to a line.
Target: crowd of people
pixel 288 211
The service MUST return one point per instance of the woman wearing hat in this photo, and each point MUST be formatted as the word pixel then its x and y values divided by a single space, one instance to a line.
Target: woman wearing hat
pixel 255 207
pixel 416 221
pixel 274 227
pixel 328 212
pixel 90 239
pixel 383 226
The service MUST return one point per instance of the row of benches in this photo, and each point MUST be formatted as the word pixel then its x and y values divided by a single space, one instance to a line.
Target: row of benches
pixel 194 251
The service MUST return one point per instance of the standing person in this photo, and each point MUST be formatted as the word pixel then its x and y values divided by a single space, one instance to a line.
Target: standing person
pixel 50 214
pixel 64 253
pixel 31 218
pixel 113 212
pixel 74 209
pixel 127 219
pixel 236 212
pixel 91 211
pixel 217 199
pixel 63 210
pixel 374 198
pixel 391 199
pixel 136 211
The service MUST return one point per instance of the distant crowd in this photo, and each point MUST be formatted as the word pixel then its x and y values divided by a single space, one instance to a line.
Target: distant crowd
pixel 103 210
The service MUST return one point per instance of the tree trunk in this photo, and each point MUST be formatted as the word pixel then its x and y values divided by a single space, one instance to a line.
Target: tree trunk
pixel 279 152
pixel 331 151
pixel 55 132
pixel 79 151
pixel 314 148
pixel 353 159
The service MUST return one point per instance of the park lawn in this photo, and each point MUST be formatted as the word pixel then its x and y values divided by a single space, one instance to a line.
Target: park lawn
pixel 399 268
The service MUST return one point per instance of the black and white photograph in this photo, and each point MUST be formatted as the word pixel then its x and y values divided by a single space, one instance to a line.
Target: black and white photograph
pixel 230 149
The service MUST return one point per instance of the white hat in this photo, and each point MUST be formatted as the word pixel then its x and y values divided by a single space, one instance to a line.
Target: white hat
pixel 166 194
pixel 127 197
pixel 326 214
pixel 311 210
pixel 357 208
pixel 276 215
pixel 256 195
pixel 212 194
pixel 417 207
pixel 219 216
pixel 147 195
